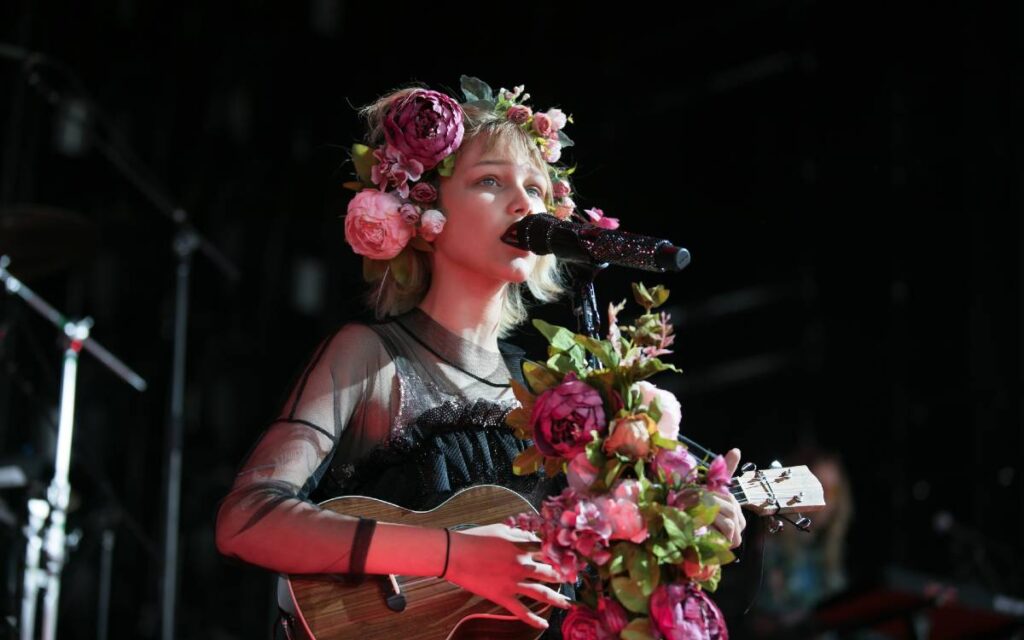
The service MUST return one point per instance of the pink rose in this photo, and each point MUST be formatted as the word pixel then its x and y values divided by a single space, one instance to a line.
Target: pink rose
pixel 685 612
pixel 565 208
pixel 558 119
pixel 519 113
pixel 718 478
pixel 630 436
pixel 561 189
pixel 563 417
pixel 374 227
pixel 423 193
pixel 431 224
pixel 671 411
pixel 598 219
pixel 410 213
pixel 580 473
pixel 542 125
pixel 425 126
pixel 678 466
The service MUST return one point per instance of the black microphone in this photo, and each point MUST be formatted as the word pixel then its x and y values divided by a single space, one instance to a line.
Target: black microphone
pixel 543 233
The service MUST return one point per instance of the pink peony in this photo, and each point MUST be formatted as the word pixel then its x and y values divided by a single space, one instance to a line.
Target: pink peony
pixel 542 125
pixel 598 219
pixel 621 511
pixel 718 478
pixel 563 417
pixel 431 224
pixel 685 612
pixel 671 411
pixel 558 119
pixel 561 189
pixel 678 466
pixel 410 213
pixel 630 436
pixel 519 114
pixel 374 227
pixel 581 473
pixel 425 126
pixel 395 170
pixel 423 193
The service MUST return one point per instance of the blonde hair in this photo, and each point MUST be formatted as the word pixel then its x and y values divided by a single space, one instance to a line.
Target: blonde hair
pixel 546 282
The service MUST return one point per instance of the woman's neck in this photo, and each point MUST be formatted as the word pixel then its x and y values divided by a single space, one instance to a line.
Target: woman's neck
pixel 469 308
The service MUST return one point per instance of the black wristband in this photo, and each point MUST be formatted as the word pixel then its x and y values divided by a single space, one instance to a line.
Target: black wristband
pixel 447 551
pixel 361 546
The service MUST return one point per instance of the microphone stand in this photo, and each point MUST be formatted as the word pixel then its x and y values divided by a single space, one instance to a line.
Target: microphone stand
pixel 47 522
pixel 186 241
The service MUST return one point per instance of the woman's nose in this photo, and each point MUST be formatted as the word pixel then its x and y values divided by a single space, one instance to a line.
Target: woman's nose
pixel 520 204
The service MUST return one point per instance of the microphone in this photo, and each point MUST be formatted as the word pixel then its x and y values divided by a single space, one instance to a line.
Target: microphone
pixel 543 233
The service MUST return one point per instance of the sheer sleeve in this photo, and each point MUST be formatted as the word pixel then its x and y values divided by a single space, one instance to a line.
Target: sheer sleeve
pixel 340 406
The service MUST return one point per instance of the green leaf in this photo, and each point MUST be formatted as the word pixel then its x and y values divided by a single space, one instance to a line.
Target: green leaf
pixel 602 350
pixel 642 296
pixel 628 592
pixel 647 368
pixel 373 270
pixel 364 160
pixel 618 562
pixel 654 410
pixel 562 363
pixel 663 442
pixel 594 453
pixel 559 337
pixel 401 267
pixel 659 295
pixel 641 567
pixel 638 629
pixel 565 140
pixel 539 377
pixel 447 166
pixel 678 526
pixel 527 462
pixel 419 244
pixel 612 469
pixel 353 185
pixel 475 89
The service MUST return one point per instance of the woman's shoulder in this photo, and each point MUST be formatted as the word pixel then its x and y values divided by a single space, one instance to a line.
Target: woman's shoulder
pixel 357 340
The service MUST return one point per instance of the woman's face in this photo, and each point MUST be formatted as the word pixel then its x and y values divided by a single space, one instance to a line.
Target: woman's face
pixel 489 190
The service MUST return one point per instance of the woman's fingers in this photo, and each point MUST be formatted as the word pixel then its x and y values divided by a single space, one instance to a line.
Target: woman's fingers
pixel 521 611
pixel 539 570
pixel 541 593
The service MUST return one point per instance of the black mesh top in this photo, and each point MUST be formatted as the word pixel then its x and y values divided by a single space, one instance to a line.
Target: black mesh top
pixel 404 411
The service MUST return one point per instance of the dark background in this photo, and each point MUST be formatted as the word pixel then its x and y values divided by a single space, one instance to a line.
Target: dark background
pixel 848 179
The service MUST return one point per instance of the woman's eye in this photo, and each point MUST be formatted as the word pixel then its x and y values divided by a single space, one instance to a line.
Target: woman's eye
pixel 489 181
pixel 536 191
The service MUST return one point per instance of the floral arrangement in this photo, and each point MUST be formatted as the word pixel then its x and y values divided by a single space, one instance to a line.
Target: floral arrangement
pixel 635 520
pixel 395 208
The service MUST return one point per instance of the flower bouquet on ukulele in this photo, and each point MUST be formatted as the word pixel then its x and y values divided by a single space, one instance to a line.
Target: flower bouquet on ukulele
pixel 635 520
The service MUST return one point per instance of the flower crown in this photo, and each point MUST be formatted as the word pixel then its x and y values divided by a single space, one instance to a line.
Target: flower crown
pixel 395 211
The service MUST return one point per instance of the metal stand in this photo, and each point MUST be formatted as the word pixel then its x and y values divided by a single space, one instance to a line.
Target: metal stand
pixel 46 535
pixel 187 241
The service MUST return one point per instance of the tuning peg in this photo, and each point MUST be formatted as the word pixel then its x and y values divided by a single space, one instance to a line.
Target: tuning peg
pixel 747 467
pixel 775 525
pixel 803 523
pixel 775 464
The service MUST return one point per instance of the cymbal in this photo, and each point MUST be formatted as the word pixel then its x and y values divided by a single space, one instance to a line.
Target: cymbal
pixel 42 240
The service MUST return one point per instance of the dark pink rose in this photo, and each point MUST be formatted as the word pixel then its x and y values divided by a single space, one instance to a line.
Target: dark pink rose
pixel 425 126
pixel 423 193
pixel 519 113
pixel 685 612
pixel 563 417
pixel 582 623
pixel 542 125
pixel 613 616
pixel 374 227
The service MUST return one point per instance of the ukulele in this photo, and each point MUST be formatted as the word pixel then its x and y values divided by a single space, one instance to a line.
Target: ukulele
pixel 331 607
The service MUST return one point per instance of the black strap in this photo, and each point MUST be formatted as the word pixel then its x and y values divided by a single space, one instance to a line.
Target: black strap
pixel 361 547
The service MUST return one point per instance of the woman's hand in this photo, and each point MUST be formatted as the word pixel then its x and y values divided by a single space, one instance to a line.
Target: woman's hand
pixel 730 520
pixel 497 562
